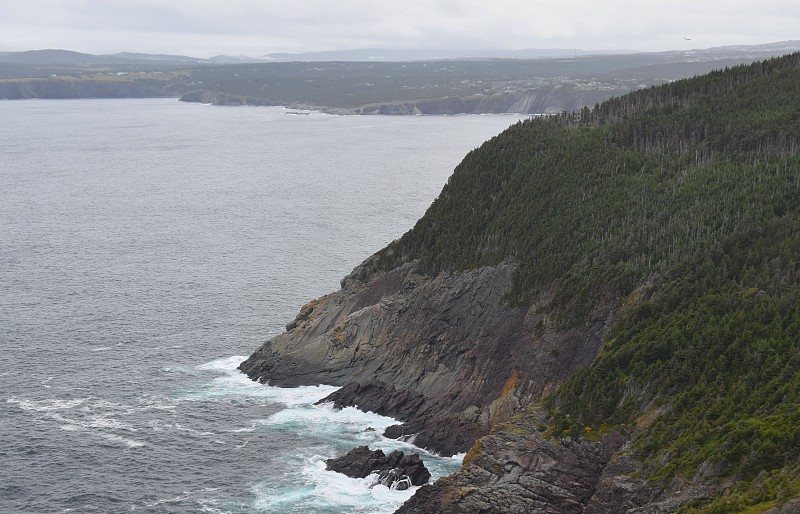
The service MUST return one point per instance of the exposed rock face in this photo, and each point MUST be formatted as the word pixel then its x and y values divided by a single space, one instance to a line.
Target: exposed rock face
pixel 444 355
pixel 396 470
pixel 358 462
pixel 790 507
pixel 524 473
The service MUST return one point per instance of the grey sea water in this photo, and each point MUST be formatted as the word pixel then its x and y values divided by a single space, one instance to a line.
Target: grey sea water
pixel 146 248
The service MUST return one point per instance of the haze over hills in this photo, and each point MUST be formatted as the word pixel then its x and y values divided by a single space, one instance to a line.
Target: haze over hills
pixel 386 54
pixel 59 57
pixel 56 57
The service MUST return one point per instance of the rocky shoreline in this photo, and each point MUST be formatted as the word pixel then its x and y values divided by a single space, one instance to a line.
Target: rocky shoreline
pixel 396 471
pixel 443 355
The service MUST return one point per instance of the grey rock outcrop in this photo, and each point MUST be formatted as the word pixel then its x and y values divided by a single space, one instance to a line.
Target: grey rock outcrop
pixel 396 470
pixel 444 355
pixel 521 473
pixel 790 507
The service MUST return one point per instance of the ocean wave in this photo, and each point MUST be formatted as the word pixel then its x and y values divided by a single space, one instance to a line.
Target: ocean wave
pixel 85 417
pixel 312 488
pixel 130 443
pixel 47 405
pixel 323 419
pixel 234 383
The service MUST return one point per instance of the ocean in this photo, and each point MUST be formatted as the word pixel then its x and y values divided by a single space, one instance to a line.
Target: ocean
pixel 148 246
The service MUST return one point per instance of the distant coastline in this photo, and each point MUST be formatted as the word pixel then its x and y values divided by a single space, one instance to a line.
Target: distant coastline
pixel 543 85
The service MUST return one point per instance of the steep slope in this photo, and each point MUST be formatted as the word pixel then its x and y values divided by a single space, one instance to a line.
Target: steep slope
pixel 629 273
pixel 442 354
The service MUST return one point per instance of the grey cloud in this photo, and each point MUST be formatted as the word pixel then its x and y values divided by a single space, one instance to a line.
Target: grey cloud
pixel 207 27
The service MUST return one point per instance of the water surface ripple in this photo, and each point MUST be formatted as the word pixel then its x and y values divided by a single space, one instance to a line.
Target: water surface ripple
pixel 147 247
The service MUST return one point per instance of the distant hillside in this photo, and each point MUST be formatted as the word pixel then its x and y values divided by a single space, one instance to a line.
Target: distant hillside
pixel 371 86
pixel 53 57
pixel 397 55
pixel 69 58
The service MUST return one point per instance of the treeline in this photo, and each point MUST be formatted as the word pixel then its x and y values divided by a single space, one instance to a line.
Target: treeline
pixel 590 205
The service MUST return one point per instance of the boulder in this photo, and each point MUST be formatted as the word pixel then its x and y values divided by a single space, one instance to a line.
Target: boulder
pixel 358 462
pixel 395 471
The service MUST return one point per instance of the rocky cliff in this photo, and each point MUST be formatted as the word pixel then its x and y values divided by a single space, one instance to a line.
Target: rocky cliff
pixel 442 354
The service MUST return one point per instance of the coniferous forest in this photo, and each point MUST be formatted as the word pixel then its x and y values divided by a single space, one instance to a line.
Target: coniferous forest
pixel 678 208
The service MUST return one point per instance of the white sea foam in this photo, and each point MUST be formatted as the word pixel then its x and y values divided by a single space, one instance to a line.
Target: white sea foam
pixel 314 489
pixel 130 443
pixel 48 405
pixel 251 428
pixel 192 431
pixel 115 424
pixel 152 403
pixel 234 383
pixel 306 485
pixel 83 419
pixel 223 365
pixel 167 500
pixel 327 421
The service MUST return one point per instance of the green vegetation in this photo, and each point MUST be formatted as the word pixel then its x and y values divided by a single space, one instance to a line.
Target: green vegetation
pixel 593 203
pixel 678 208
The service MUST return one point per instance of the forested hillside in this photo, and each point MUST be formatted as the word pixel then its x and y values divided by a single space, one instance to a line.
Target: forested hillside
pixel 677 207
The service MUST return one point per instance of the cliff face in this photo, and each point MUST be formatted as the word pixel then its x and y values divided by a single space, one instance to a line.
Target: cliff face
pixel 442 354
pixel 517 470
pixel 521 473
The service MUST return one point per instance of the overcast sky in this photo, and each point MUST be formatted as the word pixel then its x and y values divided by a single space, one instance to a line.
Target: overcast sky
pixel 203 28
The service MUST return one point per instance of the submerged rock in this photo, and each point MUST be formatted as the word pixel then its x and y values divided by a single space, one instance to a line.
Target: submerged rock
pixel 396 470
pixel 358 462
